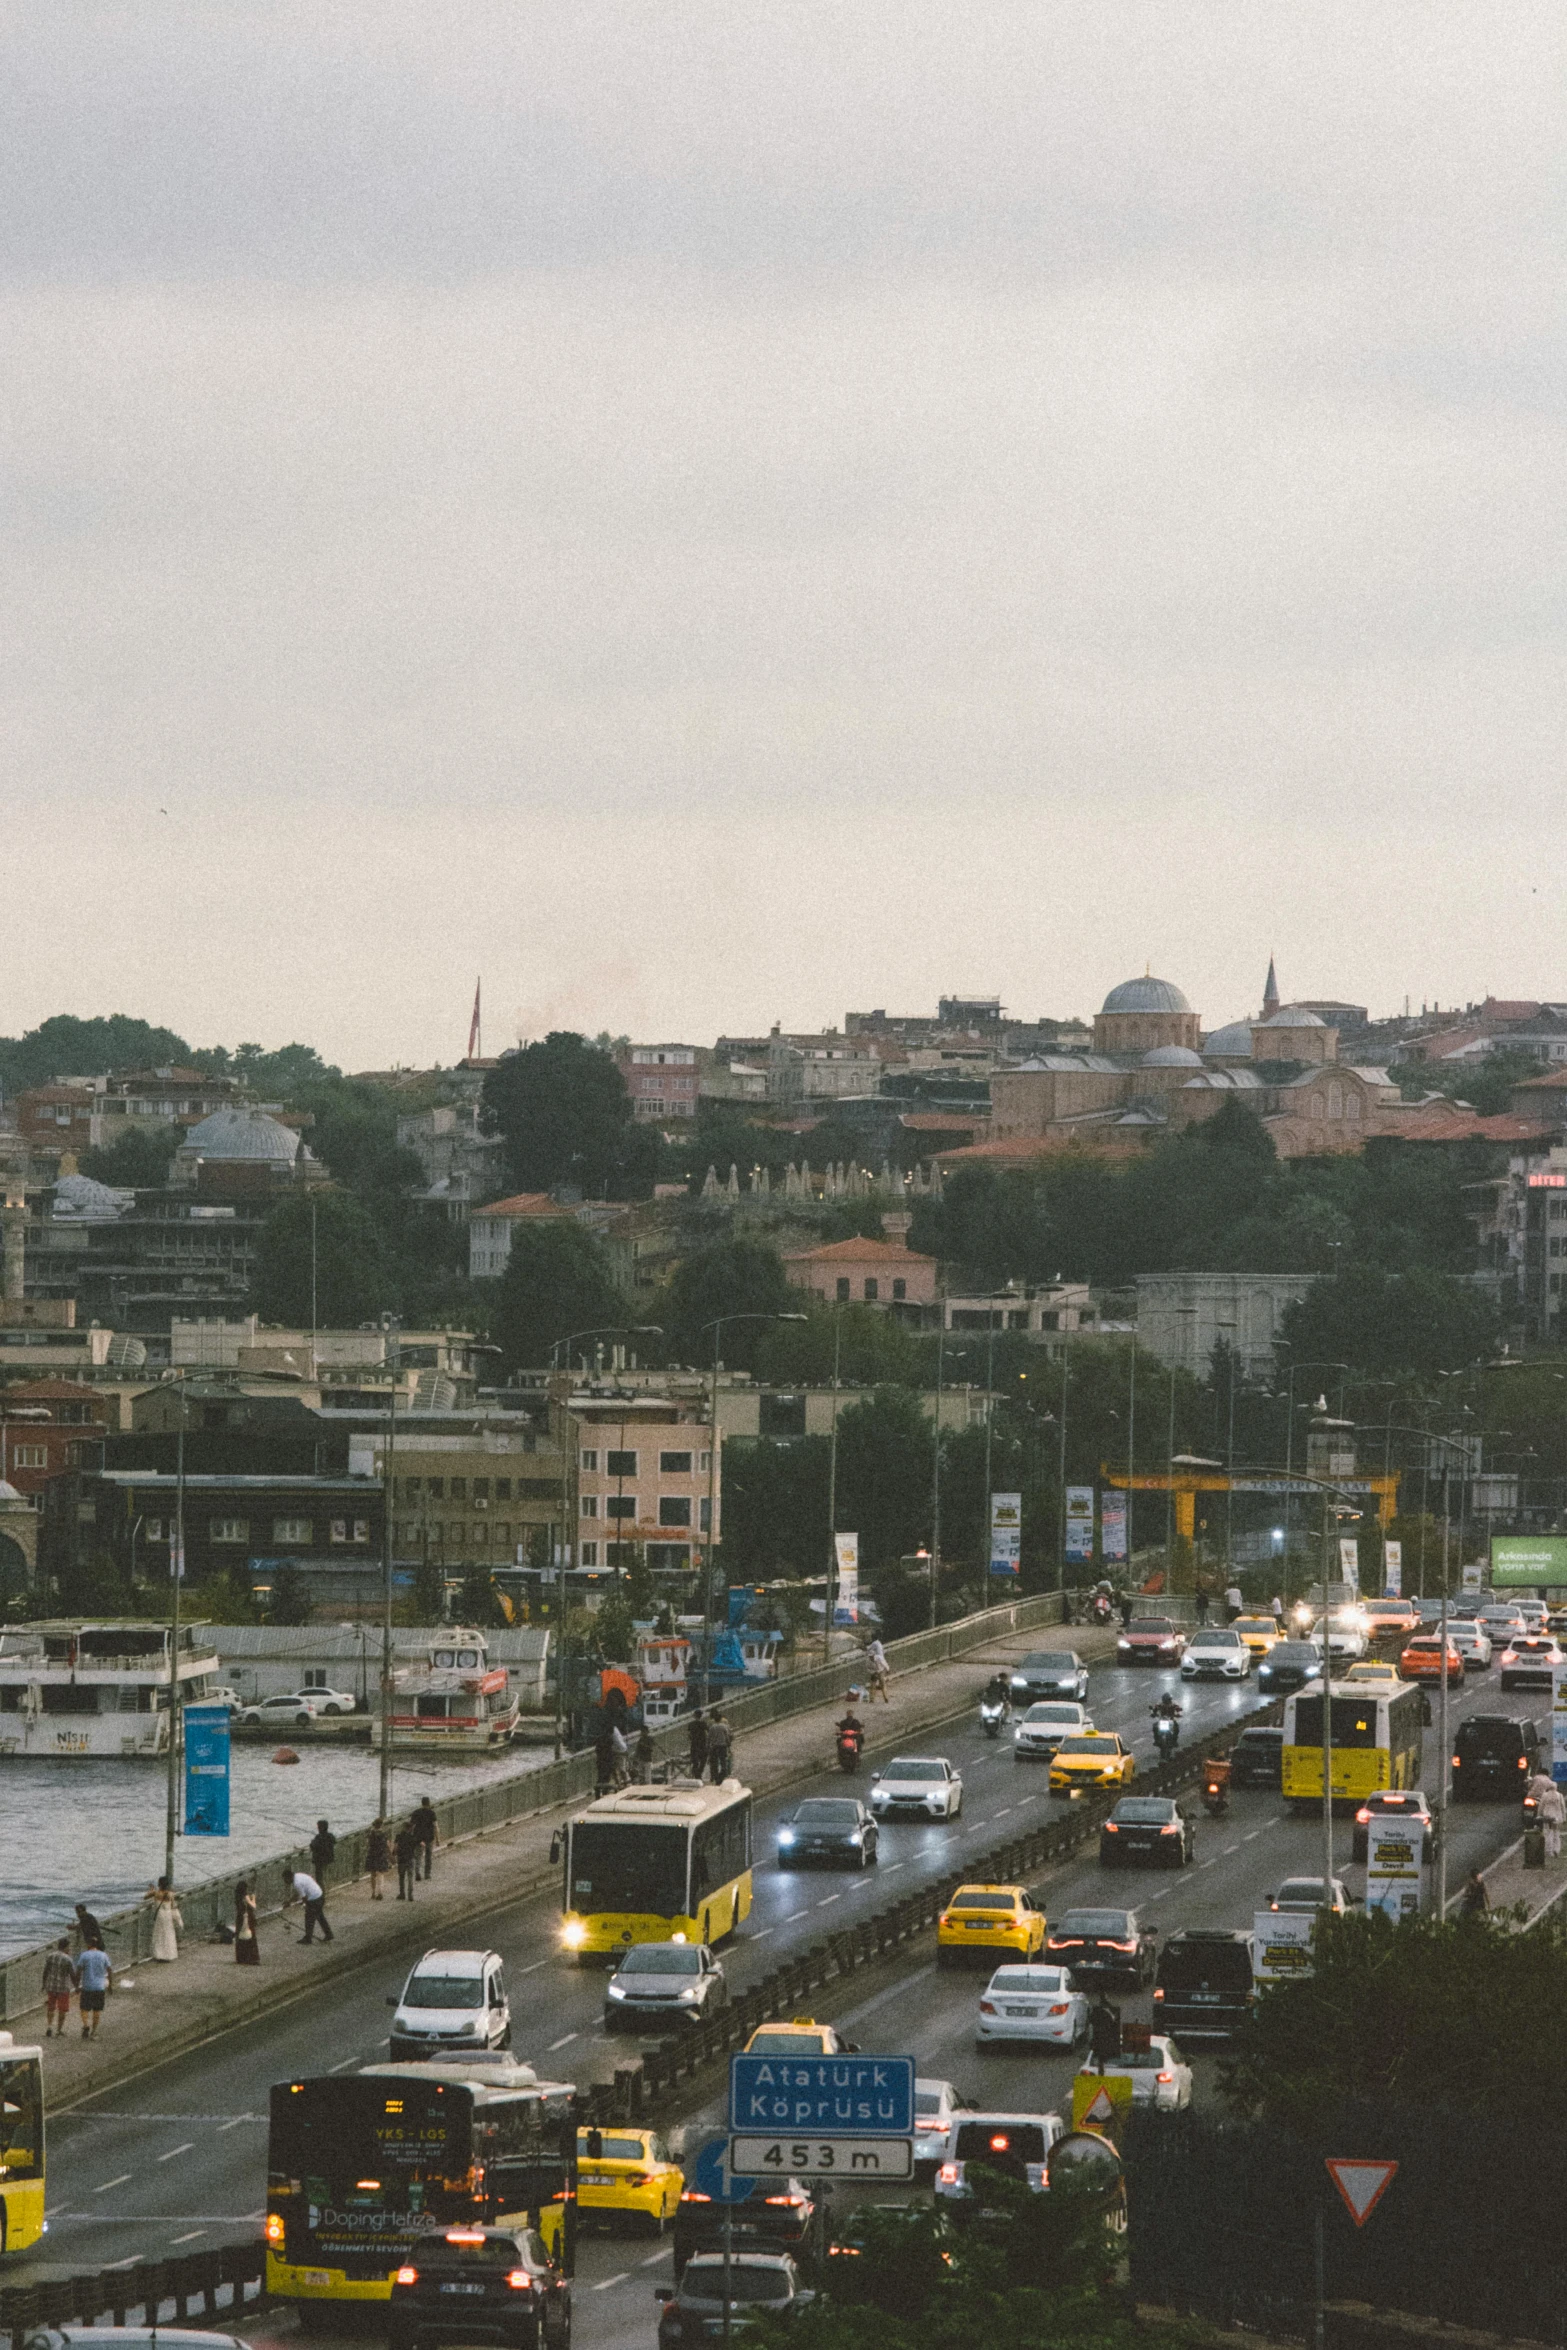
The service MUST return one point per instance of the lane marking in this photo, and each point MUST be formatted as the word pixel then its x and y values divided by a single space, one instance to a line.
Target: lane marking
pixel 664 2252
pixel 189 2237
pixel 534 1968
pixel 343 2067
pixel 1209 1864
pixel 238 2118
pixel 790 1915
pixel 890 1868
pixel 130 2263
pixel 831 1898
pixel 564 2042
pixel 1252 1838
pixel 173 2150
pixel 123 2180
pixel 608 2281
pixel 1228 1849
pixel 762 1935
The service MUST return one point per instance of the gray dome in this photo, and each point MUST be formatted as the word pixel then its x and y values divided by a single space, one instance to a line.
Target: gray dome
pixel 1231 1043
pixel 243 1134
pixel 79 1195
pixel 1289 1018
pixel 8 1493
pixel 1145 995
pixel 1172 1056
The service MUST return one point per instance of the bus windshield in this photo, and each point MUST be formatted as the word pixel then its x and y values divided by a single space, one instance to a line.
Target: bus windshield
pixel 628 1865
pixel 1354 1721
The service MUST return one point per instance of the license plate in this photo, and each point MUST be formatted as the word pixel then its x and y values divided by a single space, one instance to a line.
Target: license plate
pixel 1019 2011
pixel 980 1925
pixel 462 2288
pixel 1205 1998
pixel 315 2276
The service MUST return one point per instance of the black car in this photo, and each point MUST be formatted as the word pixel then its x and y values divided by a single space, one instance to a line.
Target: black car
pixel 1493 1755
pixel 1103 1946
pixel 1204 1987
pixel 775 2217
pixel 1050 1672
pixel 479 2285
pixel 1146 1828
pixel 1257 1759
pixel 761 2284
pixel 1289 1665
pixel 828 1828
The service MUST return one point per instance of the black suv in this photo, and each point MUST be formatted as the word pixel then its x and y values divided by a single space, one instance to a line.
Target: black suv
pixel 775 2217
pixel 1203 1989
pixel 1146 1828
pixel 479 2285
pixel 1493 1756
pixel 1257 1759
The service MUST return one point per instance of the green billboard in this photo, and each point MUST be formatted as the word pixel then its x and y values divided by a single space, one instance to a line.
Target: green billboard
pixel 1518 1559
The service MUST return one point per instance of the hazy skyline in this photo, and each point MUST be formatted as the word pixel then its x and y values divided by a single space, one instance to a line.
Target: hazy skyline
pixel 714 516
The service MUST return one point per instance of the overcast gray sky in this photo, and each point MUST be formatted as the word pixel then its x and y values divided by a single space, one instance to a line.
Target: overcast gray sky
pixel 715 513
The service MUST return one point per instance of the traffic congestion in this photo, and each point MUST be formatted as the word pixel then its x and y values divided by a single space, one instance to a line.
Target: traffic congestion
pixel 1151 1921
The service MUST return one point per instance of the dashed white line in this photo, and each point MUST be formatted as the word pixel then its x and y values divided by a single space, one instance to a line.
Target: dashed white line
pixel 189 2238
pixel 891 1867
pixel 831 1898
pixel 1252 1838
pixel 663 2253
pixel 130 2263
pixel 563 2042
pixel 534 1968
pixel 1229 1848
pixel 762 1933
pixel 343 2067
pixel 1209 1864
pixel 791 1914
pixel 173 2150
pixel 124 2178
pixel 604 2286
pixel 238 2118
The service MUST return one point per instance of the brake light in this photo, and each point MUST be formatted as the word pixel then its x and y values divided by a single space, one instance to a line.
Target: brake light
pixel 943 1920
pixel 1169 1831
pixel 1522 1763
pixel 519 2280
pixel 1362 1815
pixel 948 2174
pixel 1000 2142
pixel 1122 1946
pixel 274 2227
pixel 694 2195
pixel 1167 2076
pixel 465 2235
pixel 790 2202
pixel 1458 1762
pixel 934 2125
pixel 1063 2009
pixel 639 2178
pixel 1111 1829
pixel 987 2007
pixel 1158 1995
pixel 406 2276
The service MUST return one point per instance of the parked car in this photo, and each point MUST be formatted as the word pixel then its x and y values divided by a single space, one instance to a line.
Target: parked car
pixel 1103 1946
pixel 1039 2003
pixel 1216 1653
pixel 1146 1828
pixel 1151 1640
pixel 1040 1731
pixel 760 2284
pixel 828 1828
pixel 453 2000
pixel 1205 1986
pixel 298 1706
pixel 917 1783
pixel 662 1986
pixel 1493 1755
pixel 1050 1672
pixel 1390 1802
pixel 1257 1758
pixel 479 2284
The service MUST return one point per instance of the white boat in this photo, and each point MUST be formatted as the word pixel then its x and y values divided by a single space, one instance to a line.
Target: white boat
pixel 457 1702
pixel 85 1686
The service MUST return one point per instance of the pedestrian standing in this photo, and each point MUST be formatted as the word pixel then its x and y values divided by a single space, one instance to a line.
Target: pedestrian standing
pixel 59 1982
pixel 406 1847
pixel 1233 1601
pixel 720 1742
pixel 426 1832
pixel 247 1947
pixel 1550 1811
pixel 696 1743
pixel 642 1757
pixel 1276 1609
pixel 166 1921
pixel 313 1895
pixel 879 1672
pixel 1124 1603
pixel 1475 1900
pixel 1200 1606
pixel 323 1850
pixel 604 1760
pixel 378 1857
pixel 94 1978
pixel 88 1928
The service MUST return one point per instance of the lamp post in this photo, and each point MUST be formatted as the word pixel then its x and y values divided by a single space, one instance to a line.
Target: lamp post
pixel 1229 1459
pixel 171 1801
pixel 1066 1366
pixel 389 1326
pixel 718 1327
pixel 1289 1451
pixel 569 1499
pixel 935 1482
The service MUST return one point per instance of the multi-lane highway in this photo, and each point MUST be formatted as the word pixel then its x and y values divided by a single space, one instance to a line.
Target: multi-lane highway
pixel 176 2161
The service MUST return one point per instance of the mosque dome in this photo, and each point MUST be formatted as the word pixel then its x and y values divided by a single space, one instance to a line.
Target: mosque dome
pixel 80 1195
pixel 9 1494
pixel 1145 995
pixel 1172 1056
pixel 1292 1018
pixel 243 1134
pixel 1230 1043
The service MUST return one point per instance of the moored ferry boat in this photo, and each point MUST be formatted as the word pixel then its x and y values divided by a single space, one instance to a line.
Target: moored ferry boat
pixel 86 1686
pixel 456 1702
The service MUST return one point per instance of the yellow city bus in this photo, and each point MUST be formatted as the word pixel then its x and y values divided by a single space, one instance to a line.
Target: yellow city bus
pixel 360 2166
pixel 21 2145
pixel 1376 1741
pixel 654 1864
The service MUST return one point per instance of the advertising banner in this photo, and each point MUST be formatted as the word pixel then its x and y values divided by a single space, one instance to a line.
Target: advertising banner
pixel 1112 1525
pixel 1079 1522
pixel 1474 1576
pixel 1392 1570
pixel 1281 1944
pixel 1395 1867
pixel 1524 1559
pixel 206 1770
pixel 847 1610
pixel 1349 1560
pixel 1559 1725
pixel 1006 1533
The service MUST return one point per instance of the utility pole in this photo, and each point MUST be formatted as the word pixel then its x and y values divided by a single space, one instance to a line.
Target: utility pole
pixel 990 1413
pixel 171 1807
pixel 832 1495
pixel 387 1467
pixel 1066 1367
pixel 935 1490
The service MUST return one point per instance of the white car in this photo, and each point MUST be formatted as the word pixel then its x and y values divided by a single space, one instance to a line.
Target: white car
pixel 1346 1635
pixel 1037 1734
pixel 453 2001
pixel 1032 2003
pixel 1474 1642
pixel 917 1785
pixel 937 2105
pixel 1017 2144
pixel 224 1696
pixel 1499 1619
pixel 299 1705
pixel 1304 1894
pixel 1216 1653
pixel 1160 2075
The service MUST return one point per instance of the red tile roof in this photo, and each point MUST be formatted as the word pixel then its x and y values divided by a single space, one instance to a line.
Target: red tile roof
pixel 1555 1082
pixel 941 1121
pixel 1447 1122
pixel 523 1203
pixel 855 1251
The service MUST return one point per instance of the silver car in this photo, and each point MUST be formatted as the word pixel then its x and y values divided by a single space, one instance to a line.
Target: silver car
pixel 1041 1730
pixel 659 1986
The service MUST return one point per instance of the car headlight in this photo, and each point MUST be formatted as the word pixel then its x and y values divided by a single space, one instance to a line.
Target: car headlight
pixel 856 1838
pixel 786 1835
pixel 615 1992
pixel 686 1997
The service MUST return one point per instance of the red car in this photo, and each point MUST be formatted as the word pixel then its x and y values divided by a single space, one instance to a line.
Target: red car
pixel 1151 1640
pixel 1422 1661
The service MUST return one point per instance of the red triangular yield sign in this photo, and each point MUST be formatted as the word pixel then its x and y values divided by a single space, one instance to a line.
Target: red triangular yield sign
pixel 1362 2185
pixel 1101 2110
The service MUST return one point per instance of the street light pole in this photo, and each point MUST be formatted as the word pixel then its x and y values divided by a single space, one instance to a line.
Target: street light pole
pixel 388 1466
pixel 935 1487
pixel 1066 1366
pixel 718 1328
pixel 832 1495
pixel 171 1802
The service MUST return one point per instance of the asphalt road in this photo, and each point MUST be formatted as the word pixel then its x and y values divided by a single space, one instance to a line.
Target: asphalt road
pixel 176 2161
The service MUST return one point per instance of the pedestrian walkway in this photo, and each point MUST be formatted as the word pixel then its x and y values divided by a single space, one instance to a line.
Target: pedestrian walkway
pixel 1512 1887
pixel 168 2009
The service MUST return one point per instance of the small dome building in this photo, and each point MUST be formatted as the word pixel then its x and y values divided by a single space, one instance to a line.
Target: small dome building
pixel 1143 1016
pixel 242 1151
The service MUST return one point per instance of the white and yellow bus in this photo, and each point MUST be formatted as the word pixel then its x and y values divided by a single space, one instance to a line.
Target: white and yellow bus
pixel 651 1864
pixel 21 2145
pixel 1376 1740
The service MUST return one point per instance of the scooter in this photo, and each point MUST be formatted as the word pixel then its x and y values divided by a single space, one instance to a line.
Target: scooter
pixel 1102 1609
pixel 1166 1734
pixel 849 1743
pixel 993 1711
pixel 1215 1786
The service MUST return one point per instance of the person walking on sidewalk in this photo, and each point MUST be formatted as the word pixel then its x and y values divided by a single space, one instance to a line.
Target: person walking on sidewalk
pixel 426 1832
pixel 166 1922
pixel 878 1672
pixel 720 1745
pixel 1475 1899
pixel 378 1858
pixel 314 1899
pixel 59 1982
pixel 94 1979
pixel 323 1850
pixel 1551 1811
pixel 1200 1605
pixel 696 1743
pixel 247 1948
pixel 406 1846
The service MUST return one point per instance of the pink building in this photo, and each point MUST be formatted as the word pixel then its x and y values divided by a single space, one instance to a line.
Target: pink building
pixel 865 1272
pixel 661 1080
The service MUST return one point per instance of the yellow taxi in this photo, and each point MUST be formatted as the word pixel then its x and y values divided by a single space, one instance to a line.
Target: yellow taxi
pixel 627 2174
pixel 801 2036
pixel 987 1919
pixel 1259 1633
pixel 1370 1669
pixel 1089 1759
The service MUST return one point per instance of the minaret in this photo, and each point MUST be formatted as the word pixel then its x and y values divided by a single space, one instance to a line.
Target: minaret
pixel 14 1217
pixel 1270 993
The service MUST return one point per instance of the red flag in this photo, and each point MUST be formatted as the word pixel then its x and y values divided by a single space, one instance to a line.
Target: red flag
pixel 473 1026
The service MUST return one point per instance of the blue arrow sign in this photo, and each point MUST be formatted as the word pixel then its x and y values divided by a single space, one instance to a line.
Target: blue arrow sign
pixel 713 2177
pixel 826 2096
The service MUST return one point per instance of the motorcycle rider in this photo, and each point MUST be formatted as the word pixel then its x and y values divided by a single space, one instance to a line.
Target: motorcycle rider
pixel 850 1726
pixel 1166 1711
pixel 998 1691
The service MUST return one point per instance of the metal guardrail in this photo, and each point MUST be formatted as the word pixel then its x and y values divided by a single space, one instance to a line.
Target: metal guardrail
pixel 636 2088
pixel 225 2280
pixel 517 1795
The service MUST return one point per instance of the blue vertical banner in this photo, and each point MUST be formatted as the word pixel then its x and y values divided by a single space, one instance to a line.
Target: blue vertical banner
pixel 206 1770
pixel 1079 1522
pixel 1006 1533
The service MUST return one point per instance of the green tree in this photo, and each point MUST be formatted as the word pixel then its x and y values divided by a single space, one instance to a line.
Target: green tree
pixel 872 1349
pixel 1418 1322
pixel 138 1158
pixel 354 1279
pixel 730 1277
pixel 290 1599
pixel 429 1592
pixel 774 1517
pixel 477 1605
pixel 64 1046
pixel 885 1464
pixel 565 1115
pixel 557 1281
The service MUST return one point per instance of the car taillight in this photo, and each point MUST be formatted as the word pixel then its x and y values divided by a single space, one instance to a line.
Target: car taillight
pixel 274 2227
pixel 1169 1831
pixel 1167 2076
pixel 1122 1946
pixel 1111 1829
pixel 791 2202
pixel 1362 1815
pixel 465 2235
pixel 948 2174
pixel 519 2280
pixel 1522 1762
pixel 406 2276
pixel 694 2195
pixel 1458 1762
pixel 1063 2009
pixel 987 2007
pixel 934 2125
pixel 1158 1995
pixel 943 1920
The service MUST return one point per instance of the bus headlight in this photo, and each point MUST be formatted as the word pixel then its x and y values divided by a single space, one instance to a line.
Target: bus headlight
pixel 273 2231
pixel 574 1933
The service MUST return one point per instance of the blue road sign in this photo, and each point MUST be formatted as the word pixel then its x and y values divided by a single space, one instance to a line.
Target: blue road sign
pixel 713 2178
pixel 824 2096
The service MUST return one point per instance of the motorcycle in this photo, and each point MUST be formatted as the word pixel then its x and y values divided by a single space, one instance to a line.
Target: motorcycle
pixel 849 1743
pixel 1102 1610
pixel 993 1711
pixel 1166 1734
pixel 1215 1786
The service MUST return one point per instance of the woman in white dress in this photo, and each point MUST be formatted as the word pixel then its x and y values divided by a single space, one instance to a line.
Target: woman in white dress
pixel 166 1921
